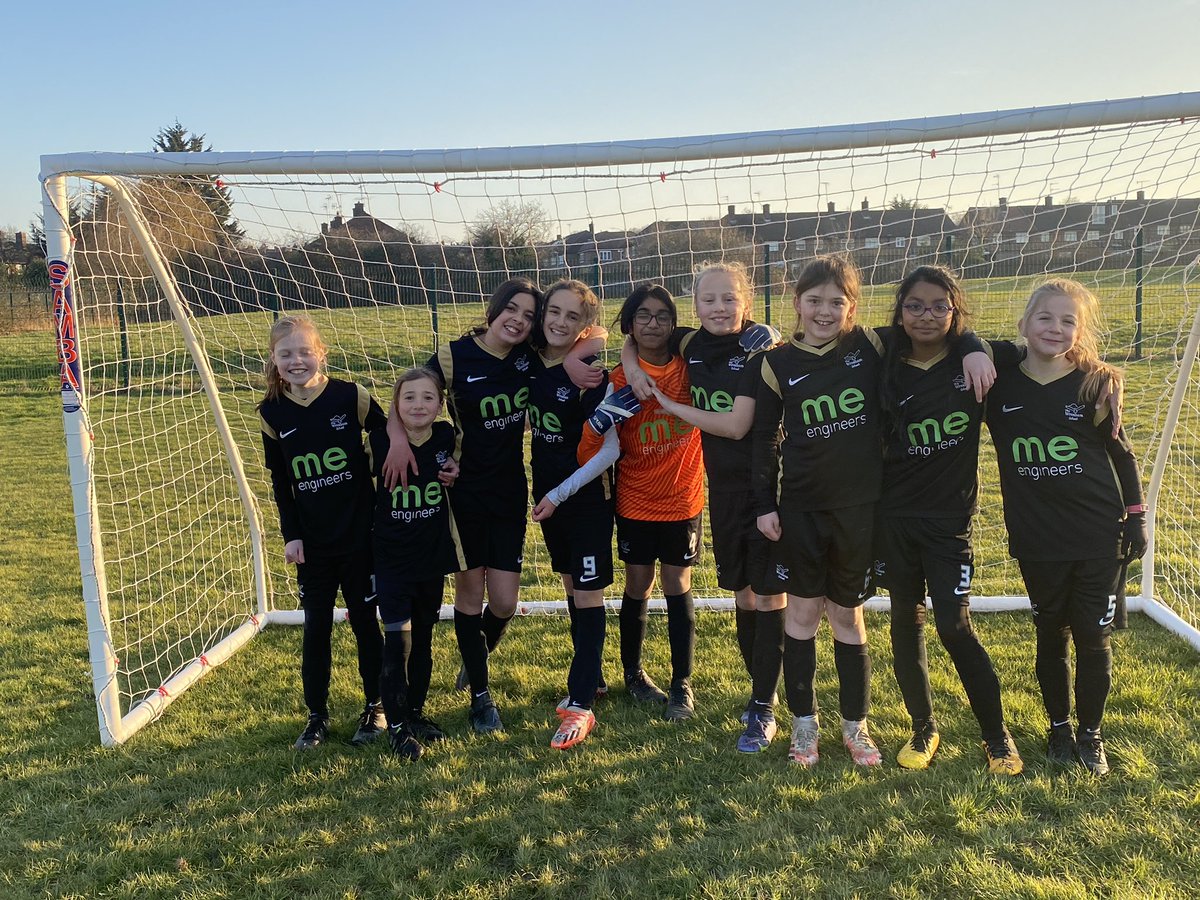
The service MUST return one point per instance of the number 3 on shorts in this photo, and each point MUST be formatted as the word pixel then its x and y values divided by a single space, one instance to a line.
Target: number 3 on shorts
pixel 964 583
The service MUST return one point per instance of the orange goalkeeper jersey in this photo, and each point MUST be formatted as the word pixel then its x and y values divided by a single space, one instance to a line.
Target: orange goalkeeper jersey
pixel 660 475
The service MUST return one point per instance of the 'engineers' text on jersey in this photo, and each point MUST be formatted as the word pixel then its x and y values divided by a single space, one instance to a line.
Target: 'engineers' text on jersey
pixel 414 531
pixel 558 411
pixel 1062 498
pixel 720 371
pixel 827 401
pixel 487 396
pixel 319 469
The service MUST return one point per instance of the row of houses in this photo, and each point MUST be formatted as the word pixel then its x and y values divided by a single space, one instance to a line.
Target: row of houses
pixel 1093 233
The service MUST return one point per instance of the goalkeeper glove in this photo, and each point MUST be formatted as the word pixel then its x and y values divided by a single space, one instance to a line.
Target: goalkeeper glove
pixel 1134 537
pixel 616 407
pixel 758 337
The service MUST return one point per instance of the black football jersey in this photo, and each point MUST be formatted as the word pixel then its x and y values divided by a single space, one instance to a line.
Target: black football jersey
pixel 557 413
pixel 827 401
pixel 720 371
pixel 1062 496
pixel 487 398
pixel 319 469
pixel 415 535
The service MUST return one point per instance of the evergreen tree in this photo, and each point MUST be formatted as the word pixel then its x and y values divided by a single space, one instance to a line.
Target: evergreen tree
pixel 177 139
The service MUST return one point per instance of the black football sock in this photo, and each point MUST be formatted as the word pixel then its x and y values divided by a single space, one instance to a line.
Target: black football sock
pixel 767 660
pixel 472 647
pixel 590 626
pixel 681 633
pixel 493 627
pixel 633 620
pixel 853 663
pixel 746 622
pixel 397 647
pixel 799 672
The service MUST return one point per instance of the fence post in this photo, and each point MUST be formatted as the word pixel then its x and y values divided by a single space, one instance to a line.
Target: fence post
pixel 1137 296
pixel 125 365
pixel 431 299
pixel 767 281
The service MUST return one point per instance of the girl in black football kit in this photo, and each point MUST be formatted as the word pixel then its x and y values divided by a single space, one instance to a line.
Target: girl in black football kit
pixel 416 545
pixel 312 429
pixel 576 505
pixel 723 358
pixel 1072 505
pixel 486 373
pixel 930 486
pixel 815 492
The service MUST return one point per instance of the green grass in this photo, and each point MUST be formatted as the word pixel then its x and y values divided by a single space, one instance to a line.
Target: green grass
pixel 211 801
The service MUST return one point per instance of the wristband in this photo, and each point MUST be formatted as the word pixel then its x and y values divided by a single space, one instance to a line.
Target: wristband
pixel 1139 508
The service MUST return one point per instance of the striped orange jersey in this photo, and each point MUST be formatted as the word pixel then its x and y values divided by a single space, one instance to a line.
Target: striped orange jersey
pixel 660 476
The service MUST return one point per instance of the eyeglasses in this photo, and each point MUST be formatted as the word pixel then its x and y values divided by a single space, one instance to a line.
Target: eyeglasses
pixel 645 317
pixel 916 310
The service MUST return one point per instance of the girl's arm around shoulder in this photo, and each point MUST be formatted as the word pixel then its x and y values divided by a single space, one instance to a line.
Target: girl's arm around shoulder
pixel 590 343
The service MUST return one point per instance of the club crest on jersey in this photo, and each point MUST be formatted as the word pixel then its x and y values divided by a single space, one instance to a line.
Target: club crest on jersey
pixel 1074 411
pixel 880 568
pixel 781 572
pixel 854 359
pixel 339 422
pixel 737 363
pixel 563 394
pixel 441 456
pixel 623 546
pixel 960 382
pixel 522 363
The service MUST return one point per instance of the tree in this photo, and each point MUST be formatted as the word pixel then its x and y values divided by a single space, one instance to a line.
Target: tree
pixel 508 233
pixel 177 139
pixel 902 202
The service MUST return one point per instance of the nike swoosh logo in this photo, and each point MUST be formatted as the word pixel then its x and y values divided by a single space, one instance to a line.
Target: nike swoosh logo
pixel 284 434
pixel 1010 408
pixel 694 361
pixel 593 578
pixel 691 555
pixel 792 382
pixel 961 592
pixel 906 399
pixel 472 378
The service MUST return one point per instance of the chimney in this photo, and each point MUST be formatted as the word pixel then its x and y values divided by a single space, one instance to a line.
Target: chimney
pixel 19 240
pixel 337 222
pixel 1141 195
pixel 866 205
pixel 829 207
pixel 592 228
pixel 324 228
pixel 729 210
pixel 1003 204
pixel 766 209
pixel 359 211
pixel 1049 201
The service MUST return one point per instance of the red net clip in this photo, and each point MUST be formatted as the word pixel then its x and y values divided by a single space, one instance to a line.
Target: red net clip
pixel 437 187
pixel 254 619
pixel 933 154
pixel 220 184
pixel 662 176
pixel 162 691
pixel 203 660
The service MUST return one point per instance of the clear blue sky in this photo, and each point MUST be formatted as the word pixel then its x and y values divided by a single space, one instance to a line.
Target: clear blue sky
pixel 321 75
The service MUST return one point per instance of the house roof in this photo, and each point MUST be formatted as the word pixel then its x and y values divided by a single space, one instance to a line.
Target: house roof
pixel 885 224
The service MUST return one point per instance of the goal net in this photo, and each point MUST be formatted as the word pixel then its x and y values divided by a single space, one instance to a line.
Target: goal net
pixel 168 269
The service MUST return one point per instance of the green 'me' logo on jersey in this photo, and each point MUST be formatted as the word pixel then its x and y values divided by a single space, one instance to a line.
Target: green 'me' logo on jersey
pixel 499 405
pixel 1031 449
pixel 312 466
pixel 547 421
pixel 931 431
pixel 414 497
pixel 849 402
pixel 717 401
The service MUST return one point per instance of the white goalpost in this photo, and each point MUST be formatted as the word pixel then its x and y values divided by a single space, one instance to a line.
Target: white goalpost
pixel 167 270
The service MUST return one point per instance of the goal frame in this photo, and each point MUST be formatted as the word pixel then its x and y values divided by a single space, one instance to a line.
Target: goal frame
pixel 102 167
